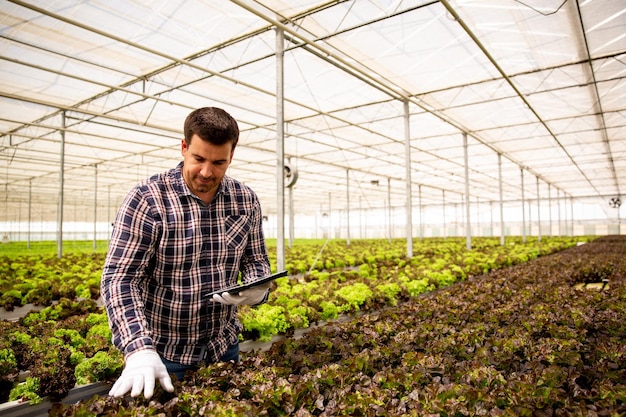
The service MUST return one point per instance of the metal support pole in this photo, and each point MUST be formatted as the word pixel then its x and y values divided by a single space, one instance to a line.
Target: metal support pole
pixel 389 207
pixel 619 221
pixel 95 205
pixel 530 217
pixel 468 233
pixel 571 202
pixel 523 207
pixel 61 190
pixel 558 206
pixel 550 210
pixel 409 191
pixel 565 219
pixel 291 218
pixel 538 213
pixel 501 200
pixel 330 215
pixel 421 209
pixel 348 206
pixel 108 216
pixel 280 152
pixel 30 200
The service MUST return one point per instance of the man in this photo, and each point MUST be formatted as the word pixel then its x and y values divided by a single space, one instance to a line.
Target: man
pixel 178 236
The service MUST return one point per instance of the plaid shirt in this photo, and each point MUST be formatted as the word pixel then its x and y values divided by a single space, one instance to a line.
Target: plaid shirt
pixel 168 249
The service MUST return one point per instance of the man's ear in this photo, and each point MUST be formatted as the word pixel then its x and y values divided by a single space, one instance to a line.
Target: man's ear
pixel 183 148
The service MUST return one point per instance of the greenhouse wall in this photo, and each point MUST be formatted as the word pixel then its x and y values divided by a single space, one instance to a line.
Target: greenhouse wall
pixel 372 223
pixel 19 232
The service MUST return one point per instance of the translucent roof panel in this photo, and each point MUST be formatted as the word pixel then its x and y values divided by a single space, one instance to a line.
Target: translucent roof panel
pixel 98 90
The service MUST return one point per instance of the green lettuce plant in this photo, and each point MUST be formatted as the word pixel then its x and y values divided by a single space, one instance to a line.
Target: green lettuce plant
pixel 354 295
pixel 26 391
pixel 264 321
pixel 101 367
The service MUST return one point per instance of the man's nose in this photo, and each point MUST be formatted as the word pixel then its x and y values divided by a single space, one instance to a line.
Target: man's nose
pixel 206 170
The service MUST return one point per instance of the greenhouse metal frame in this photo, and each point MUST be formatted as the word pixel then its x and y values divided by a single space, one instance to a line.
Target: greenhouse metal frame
pixel 400 118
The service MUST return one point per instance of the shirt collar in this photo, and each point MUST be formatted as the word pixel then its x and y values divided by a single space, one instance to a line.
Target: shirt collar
pixel 183 189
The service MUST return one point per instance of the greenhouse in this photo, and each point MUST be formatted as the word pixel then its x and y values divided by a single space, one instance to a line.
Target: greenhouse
pixel 434 118
pixel 453 167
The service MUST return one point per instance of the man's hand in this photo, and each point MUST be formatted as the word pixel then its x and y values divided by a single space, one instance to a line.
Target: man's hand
pixel 251 296
pixel 140 373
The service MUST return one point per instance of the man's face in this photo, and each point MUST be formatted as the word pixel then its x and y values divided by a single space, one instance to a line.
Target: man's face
pixel 204 166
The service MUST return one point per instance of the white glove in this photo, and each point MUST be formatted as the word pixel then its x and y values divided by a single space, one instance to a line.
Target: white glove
pixel 251 296
pixel 142 369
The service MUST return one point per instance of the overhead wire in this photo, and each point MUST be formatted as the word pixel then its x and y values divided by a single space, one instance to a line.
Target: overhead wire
pixel 539 11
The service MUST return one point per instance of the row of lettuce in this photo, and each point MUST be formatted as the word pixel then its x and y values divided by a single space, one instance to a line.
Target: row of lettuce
pixel 41 279
pixel 67 342
pixel 369 276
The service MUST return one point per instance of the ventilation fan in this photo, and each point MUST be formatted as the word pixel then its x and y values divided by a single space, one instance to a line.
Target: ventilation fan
pixel 291 176
pixel 615 202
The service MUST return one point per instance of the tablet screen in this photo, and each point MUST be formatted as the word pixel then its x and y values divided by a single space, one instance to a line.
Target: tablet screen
pixel 242 287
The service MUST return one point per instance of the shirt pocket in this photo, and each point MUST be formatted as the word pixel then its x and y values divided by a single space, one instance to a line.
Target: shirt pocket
pixel 236 230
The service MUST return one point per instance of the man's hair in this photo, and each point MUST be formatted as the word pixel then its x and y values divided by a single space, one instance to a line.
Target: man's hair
pixel 213 125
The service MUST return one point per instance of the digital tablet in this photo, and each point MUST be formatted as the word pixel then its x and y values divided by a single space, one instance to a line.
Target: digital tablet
pixel 238 288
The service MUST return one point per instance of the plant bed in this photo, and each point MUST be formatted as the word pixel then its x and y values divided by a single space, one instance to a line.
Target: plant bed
pixel 384 278
pixel 68 340
pixel 519 341
pixel 55 348
pixel 42 279
pixel 41 409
